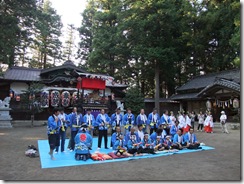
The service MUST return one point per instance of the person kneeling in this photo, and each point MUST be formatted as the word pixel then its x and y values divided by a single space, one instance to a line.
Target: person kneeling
pixel 147 145
pixel 119 147
pixel 168 143
pixel 134 146
pixel 158 144
pixel 191 140
pixel 83 142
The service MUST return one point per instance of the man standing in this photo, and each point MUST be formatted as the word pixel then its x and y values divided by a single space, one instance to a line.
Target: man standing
pixel 223 119
pixel 89 120
pixel 116 120
pixel 76 122
pixel 142 119
pixel 153 120
pixel 53 127
pixel 128 120
pixel 62 133
pixel 165 121
pixel 102 121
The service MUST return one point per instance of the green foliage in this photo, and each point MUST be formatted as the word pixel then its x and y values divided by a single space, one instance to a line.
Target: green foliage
pixel 69 43
pixel 134 100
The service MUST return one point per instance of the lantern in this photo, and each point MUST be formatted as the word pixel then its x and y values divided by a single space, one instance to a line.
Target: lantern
pixel 208 105
pixel 236 103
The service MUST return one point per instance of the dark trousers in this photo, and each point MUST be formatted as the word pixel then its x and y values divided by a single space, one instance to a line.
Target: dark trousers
pixel 176 146
pixel 148 150
pixel 73 134
pixel 103 133
pixel 62 136
pixel 53 140
pixel 167 129
pixel 135 150
pixel 200 126
pixel 192 124
pixel 153 129
pixel 194 146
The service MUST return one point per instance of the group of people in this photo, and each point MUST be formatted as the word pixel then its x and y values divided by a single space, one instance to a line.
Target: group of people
pixel 129 135
pixel 165 132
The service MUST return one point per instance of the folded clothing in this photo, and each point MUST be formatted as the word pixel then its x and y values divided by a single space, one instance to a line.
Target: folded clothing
pixel 100 156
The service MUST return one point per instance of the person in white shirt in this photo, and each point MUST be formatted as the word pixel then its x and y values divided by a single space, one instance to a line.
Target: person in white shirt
pixel 223 119
pixel 140 132
pixel 200 121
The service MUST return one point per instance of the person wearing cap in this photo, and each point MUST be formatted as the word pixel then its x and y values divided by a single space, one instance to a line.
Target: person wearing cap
pixel 141 119
pixel 134 147
pixel 83 143
pixel 120 148
pixel 132 131
pixel 89 120
pixel 167 142
pixel 178 140
pixel 200 121
pixel 76 121
pixel 191 140
pixel 158 144
pixel 223 119
pixel 128 120
pixel 53 126
pixel 115 135
pixel 208 123
pixel 102 122
pixel 147 144
pixel 165 121
pixel 174 128
pixel 64 118
pixel 153 120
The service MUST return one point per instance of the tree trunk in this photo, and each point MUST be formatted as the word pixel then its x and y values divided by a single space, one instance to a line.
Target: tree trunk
pixel 157 104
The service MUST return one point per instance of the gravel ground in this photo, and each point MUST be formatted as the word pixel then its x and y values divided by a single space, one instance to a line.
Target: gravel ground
pixel 221 164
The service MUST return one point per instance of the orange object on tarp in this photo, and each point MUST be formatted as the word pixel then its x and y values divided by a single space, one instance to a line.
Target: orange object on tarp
pixel 88 83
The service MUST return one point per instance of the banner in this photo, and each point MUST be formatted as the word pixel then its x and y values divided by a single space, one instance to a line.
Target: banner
pixel 88 83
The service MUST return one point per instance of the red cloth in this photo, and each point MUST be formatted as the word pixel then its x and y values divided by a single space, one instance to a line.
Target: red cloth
pixel 88 83
pixel 209 129
pixel 185 130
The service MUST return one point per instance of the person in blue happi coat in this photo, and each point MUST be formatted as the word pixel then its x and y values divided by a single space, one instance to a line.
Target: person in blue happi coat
pixel 158 144
pixel 179 140
pixel 76 121
pixel 174 128
pixel 128 120
pixel 132 131
pixel 153 120
pixel 116 121
pixel 134 147
pixel 102 122
pixel 90 121
pixel 191 140
pixel 141 119
pixel 64 118
pixel 120 148
pixel 147 144
pixel 166 121
pixel 53 127
pixel 83 143
pixel 115 135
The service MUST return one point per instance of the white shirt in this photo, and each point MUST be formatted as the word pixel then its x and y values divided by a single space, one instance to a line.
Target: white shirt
pixel 223 118
pixel 143 117
pixel 140 134
pixel 89 119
